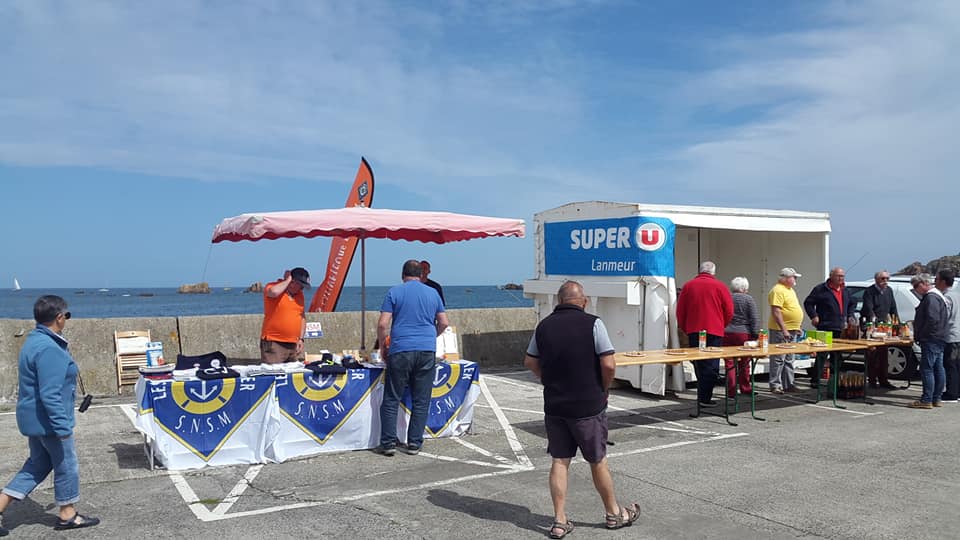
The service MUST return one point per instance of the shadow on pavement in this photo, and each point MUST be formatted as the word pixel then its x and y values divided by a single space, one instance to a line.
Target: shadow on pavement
pixel 490 509
pixel 29 512
pixel 130 456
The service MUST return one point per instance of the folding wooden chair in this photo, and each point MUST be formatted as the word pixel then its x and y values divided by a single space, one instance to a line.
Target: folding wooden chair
pixel 131 346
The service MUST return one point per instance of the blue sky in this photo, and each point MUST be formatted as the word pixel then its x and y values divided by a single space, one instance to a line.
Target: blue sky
pixel 128 130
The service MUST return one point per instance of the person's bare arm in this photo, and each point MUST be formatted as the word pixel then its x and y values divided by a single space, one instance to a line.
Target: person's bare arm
pixel 280 287
pixel 533 364
pixel 383 330
pixel 442 322
pixel 303 332
pixel 608 368
pixel 777 314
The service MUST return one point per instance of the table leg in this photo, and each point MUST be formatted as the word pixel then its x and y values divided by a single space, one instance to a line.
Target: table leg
pixel 753 390
pixel 835 378
pixel 817 366
pixel 726 401
pixel 866 376
pixel 910 354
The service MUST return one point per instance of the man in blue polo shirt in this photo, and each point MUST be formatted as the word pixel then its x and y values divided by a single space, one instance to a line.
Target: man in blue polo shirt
pixel 412 315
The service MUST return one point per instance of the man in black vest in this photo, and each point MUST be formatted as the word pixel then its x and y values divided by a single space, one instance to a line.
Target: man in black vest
pixel 570 352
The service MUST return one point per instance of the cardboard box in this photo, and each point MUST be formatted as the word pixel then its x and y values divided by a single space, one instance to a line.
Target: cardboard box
pixel 825 336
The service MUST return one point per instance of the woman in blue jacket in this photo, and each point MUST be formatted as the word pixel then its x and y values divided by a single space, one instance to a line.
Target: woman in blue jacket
pixel 48 383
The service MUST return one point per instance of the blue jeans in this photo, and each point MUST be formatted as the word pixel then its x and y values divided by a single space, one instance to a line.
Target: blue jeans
pixel 414 369
pixel 931 370
pixel 49 454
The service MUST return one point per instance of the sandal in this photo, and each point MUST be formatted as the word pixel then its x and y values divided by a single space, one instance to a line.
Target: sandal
pixel 78 521
pixel 565 529
pixel 617 521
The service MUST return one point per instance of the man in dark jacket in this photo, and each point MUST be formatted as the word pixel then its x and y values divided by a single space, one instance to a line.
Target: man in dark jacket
pixel 930 330
pixel 831 309
pixel 879 306
pixel 571 353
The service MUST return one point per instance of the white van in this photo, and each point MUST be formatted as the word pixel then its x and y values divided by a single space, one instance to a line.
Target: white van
pixel 900 365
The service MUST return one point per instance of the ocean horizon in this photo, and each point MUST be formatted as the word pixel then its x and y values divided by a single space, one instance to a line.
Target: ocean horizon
pixel 94 303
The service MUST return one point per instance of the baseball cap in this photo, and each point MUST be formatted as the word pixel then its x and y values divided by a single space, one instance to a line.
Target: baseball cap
pixel 789 272
pixel 302 276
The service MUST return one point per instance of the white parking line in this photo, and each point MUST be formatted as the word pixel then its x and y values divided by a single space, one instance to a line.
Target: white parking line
pixel 506 466
pixel 238 490
pixel 508 432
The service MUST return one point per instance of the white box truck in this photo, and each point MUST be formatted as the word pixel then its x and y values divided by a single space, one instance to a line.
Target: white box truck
pixel 631 259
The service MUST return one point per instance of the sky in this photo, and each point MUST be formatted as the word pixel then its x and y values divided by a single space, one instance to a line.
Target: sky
pixel 128 130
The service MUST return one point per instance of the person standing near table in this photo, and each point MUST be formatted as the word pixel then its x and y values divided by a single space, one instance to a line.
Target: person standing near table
pixel 284 321
pixel 879 305
pixel 786 316
pixel 570 352
pixel 951 352
pixel 412 314
pixel 744 325
pixel 424 273
pixel 46 396
pixel 705 303
pixel 830 308
pixel 930 330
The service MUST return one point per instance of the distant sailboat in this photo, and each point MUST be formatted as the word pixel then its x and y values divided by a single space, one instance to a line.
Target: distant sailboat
pixel 16 285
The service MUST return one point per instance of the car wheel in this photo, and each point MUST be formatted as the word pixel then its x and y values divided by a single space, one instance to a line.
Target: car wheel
pixel 900 364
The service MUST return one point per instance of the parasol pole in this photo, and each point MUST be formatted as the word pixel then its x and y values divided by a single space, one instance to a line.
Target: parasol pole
pixel 363 293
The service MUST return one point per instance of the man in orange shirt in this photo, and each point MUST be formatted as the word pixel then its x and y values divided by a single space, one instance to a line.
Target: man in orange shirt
pixel 284 322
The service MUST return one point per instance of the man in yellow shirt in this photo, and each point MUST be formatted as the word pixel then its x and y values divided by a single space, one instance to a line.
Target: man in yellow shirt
pixel 786 316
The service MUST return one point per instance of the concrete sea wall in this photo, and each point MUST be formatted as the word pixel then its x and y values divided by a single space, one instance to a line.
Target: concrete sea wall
pixel 496 338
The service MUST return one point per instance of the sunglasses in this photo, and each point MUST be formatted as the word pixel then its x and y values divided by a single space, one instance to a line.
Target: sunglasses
pixel 66 314
pixel 884 279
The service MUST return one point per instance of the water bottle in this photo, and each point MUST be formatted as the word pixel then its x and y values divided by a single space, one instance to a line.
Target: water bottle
pixel 703 340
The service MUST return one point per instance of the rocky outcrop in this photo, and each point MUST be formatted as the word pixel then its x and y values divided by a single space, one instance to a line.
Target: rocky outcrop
pixel 255 287
pixel 195 288
pixel 912 269
pixel 916 267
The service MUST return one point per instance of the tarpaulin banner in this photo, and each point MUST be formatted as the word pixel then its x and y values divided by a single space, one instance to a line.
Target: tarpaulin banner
pixel 207 422
pixel 628 246
pixel 192 424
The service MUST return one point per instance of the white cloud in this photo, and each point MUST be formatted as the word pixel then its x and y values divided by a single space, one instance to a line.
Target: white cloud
pixel 851 110
pixel 171 88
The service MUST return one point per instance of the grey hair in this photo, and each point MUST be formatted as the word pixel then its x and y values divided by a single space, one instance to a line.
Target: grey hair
pixel 921 278
pixel 739 284
pixel 707 267
pixel 569 291
pixel 880 273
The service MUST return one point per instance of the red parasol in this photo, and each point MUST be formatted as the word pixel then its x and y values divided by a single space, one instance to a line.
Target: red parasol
pixel 363 223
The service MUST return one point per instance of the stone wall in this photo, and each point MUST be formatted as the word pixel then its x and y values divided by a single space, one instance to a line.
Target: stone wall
pixel 496 338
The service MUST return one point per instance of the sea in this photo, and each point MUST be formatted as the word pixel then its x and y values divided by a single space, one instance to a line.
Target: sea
pixel 167 302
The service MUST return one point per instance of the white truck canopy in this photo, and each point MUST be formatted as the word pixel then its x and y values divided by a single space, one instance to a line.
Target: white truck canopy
pixel 633 287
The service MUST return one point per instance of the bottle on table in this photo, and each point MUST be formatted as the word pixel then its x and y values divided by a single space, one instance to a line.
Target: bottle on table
pixel 763 339
pixel 703 340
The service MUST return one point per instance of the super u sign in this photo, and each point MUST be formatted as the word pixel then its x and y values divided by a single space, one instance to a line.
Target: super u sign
pixel 630 246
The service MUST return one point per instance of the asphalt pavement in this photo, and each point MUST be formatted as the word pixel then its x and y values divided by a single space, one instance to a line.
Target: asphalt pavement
pixel 809 471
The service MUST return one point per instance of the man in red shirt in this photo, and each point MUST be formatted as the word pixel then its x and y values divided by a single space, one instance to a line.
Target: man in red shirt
pixel 705 303
pixel 284 323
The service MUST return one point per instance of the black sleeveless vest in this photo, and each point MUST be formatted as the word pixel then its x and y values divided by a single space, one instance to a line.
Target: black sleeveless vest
pixel 570 367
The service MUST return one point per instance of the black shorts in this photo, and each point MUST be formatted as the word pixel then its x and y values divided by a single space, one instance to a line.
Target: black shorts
pixel 565 435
